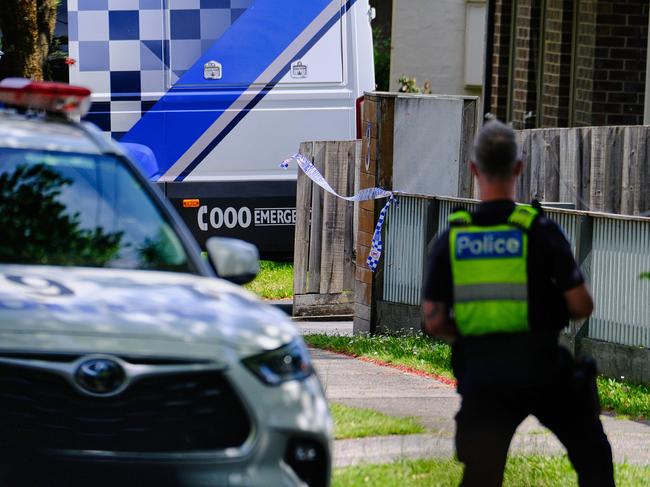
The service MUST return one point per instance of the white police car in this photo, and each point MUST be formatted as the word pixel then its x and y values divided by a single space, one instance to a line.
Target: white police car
pixel 123 359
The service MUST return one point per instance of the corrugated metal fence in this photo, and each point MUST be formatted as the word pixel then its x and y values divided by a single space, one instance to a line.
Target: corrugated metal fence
pixel 621 251
pixel 405 251
pixel 612 251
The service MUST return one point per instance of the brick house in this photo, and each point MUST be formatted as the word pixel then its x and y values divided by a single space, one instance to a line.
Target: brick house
pixel 550 63
pixel 563 63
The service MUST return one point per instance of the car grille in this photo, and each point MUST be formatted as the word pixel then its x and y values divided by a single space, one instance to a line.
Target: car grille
pixel 164 413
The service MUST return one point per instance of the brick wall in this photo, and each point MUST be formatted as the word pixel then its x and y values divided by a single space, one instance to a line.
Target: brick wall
pixel 556 83
pixel 366 218
pixel 501 58
pixel 620 62
pixel 526 58
pixel 584 62
pixel 376 170
pixel 604 62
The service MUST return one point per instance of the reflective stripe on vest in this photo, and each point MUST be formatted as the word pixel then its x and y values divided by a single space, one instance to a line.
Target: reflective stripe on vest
pixel 490 292
pixel 489 273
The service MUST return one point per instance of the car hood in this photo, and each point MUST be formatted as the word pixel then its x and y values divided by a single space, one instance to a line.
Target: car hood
pixel 77 309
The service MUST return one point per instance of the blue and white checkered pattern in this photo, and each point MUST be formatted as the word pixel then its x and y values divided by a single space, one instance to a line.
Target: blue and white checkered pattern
pixel 377 245
pixel 130 52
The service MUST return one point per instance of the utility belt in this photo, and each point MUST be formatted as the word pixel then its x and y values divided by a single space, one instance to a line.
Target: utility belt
pixel 508 346
pixel 526 360
pixel 516 358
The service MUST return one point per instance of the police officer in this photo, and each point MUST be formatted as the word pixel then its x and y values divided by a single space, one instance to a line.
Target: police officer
pixel 502 283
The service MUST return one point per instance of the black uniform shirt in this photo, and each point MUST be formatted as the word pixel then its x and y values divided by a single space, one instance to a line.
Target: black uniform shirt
pixel 552 269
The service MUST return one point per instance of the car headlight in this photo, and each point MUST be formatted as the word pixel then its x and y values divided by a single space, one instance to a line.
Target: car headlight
pixel 290 362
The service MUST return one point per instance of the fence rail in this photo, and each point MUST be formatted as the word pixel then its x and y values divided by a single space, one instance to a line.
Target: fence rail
pixel 612 251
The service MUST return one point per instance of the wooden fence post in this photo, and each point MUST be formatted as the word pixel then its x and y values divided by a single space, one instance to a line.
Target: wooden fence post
pixel 301 245
pixel 315 242
pixel 523 183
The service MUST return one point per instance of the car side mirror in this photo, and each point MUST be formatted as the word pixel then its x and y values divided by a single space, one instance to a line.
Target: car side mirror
pixel 234 260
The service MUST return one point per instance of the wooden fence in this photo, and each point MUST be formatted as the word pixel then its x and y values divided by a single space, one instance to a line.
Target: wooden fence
pixel 324 267
pixel 603 169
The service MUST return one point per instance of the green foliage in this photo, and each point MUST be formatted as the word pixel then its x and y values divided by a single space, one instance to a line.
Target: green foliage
pixel 55 68
pixel 351 422
pixel 37 227
pixel 521 471
pixel 159 253
pixel 410 85
pixel 275 280
pixel 624 398
pixel 645 275
pixel 382 48
pixel 418 352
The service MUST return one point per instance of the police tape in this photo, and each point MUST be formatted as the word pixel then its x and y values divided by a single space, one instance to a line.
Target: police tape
pixel 366 194
pixel 377 246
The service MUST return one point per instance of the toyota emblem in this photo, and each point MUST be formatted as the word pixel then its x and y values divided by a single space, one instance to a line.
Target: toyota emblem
pixel 100 376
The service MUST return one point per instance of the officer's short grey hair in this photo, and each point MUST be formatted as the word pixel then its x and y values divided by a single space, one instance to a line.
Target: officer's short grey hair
pixel 495 150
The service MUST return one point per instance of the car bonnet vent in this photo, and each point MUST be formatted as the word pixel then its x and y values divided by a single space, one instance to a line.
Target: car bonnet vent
pixel 71 357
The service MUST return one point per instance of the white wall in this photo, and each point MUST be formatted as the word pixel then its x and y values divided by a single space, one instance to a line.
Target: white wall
pixel 428 38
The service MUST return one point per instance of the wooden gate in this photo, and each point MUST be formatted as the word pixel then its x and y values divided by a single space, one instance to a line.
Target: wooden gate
pixel 324 266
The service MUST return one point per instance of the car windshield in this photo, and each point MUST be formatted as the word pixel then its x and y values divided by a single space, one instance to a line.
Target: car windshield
pixel 83 210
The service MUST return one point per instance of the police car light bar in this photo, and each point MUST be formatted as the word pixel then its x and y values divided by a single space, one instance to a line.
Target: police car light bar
pixel 49 96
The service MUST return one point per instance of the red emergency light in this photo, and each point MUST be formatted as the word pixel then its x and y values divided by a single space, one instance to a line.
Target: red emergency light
pixel 45 95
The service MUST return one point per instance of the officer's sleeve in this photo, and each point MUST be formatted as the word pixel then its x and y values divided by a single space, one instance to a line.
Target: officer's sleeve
pixel 438 284
pixel 559 259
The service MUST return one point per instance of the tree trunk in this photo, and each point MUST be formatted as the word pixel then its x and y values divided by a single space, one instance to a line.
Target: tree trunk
pixel 46 18
pixel 27 29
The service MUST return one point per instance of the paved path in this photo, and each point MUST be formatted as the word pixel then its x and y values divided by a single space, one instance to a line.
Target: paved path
pixel 357 383
pixel 325 327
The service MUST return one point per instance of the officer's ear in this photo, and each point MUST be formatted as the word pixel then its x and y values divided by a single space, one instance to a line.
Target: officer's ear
pixel 519 168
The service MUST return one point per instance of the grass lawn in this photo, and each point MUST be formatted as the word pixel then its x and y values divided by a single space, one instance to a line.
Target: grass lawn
pixel 352 422
pixel 413 351
pixel 625 399
pixel 521 471
pixel 620 397
pixel 275 280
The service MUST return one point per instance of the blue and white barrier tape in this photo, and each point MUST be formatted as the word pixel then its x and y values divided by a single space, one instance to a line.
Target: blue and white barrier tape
pixel 377 245
pixel 314 174
pixel 364 195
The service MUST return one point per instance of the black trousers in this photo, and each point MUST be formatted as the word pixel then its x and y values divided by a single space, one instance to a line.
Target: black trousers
pixel 564 401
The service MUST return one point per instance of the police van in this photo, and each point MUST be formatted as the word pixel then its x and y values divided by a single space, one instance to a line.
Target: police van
pixel 219 92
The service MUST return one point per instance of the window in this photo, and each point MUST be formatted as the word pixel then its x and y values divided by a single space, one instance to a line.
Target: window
pixel 83 210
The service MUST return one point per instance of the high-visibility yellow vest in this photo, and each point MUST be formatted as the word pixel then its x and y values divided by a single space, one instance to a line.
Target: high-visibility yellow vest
pixel 490 277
